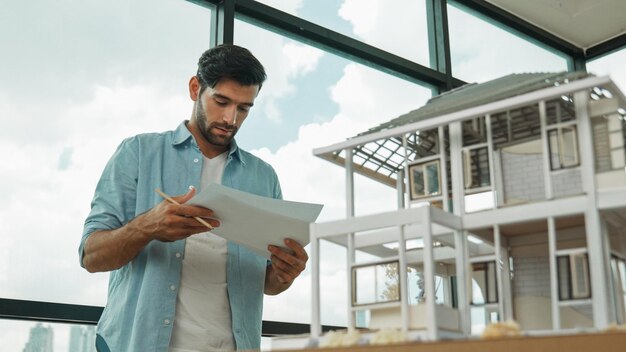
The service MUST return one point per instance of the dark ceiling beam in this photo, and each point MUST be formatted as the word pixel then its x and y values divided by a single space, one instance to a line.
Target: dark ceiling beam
pixel 310 33
pixel 509 20
pixel 606 47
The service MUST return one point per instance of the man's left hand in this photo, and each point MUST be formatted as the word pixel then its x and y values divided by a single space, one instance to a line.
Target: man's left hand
pixel 287 264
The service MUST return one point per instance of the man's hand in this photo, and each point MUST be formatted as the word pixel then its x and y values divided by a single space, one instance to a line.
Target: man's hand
pixel 286 266
pixel 169 222
pixel 111 249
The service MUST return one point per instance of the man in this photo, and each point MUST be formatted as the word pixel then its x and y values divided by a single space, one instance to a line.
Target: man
pixel 173 286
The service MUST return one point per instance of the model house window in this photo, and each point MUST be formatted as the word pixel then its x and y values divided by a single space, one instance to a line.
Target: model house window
pixel 476 168
pixel 618 269
pixel 573 273
pixel 376 283
pixel 424 179
pixel 563 144
pixel 484 288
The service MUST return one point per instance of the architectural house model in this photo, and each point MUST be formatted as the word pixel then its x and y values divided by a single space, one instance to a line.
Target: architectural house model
pixel 511 206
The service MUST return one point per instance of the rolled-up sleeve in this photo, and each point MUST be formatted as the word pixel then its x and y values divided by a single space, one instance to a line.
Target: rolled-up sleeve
pixel 114 200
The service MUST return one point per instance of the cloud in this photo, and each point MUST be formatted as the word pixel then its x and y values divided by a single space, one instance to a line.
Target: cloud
pixel 612 65
pixel 53 50
pixel 362 14
pixel 284 61
pixel 301 59
pixel 475 59
pixel 49 206
pixel 402 32
pixel 366 98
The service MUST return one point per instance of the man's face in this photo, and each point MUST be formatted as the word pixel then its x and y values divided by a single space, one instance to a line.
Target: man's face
pixel 220 111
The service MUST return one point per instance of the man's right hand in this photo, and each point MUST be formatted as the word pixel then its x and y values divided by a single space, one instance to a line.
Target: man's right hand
pixel 111 249
pixel 170 222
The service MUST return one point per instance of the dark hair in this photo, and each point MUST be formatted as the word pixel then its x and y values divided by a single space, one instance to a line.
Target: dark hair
pixel 232 62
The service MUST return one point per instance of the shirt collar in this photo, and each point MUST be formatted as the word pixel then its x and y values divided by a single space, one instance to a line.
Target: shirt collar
pixel 182 135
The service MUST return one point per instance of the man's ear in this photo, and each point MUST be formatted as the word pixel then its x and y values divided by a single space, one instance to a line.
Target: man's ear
pixel 194 88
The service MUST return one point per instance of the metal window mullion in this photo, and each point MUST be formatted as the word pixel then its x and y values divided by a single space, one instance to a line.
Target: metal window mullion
pixel 439 40
pixel 223 23
pixel 576 63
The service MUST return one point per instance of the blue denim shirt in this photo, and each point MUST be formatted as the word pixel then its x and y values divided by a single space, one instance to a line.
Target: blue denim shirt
pixel 142 294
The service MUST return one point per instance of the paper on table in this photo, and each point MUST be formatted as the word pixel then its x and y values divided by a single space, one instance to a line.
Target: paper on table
pixel 255 221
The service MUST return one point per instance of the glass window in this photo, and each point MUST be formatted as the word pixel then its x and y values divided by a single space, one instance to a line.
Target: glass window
pixel 313 99
pixel 474 131
pixel 481 51
pixel 399 27
pixel 560 110
pixel 573 272
pixel 424 179
pixel 563 144
pixel 476 168
pixel 481 316
pixel 484 289
pixel 622 279
pixel 612 65
pixel 26 336
pixel 376 284
pixel 77 78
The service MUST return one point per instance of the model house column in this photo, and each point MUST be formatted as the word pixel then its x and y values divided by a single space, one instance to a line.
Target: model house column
pixel 598 259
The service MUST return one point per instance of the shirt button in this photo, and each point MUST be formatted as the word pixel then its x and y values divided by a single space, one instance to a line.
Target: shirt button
pixel 177 255
pixel 172 287
pixel 196 160
pixel 166 322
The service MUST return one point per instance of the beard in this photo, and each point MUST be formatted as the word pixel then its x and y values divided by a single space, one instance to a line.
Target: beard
pixel 207 128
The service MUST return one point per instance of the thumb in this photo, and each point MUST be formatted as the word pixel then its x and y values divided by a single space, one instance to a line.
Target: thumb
pixel 187 196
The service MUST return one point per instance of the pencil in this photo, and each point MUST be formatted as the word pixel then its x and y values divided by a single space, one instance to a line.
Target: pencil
pixel 169 199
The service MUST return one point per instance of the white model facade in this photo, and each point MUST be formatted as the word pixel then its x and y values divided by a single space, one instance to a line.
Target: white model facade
pixel 511 205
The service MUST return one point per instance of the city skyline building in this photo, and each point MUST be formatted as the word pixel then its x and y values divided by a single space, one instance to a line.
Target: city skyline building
pixel 40 339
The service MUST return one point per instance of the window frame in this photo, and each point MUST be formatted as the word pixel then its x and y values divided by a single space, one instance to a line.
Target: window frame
pixel 423 165
pixel 556 133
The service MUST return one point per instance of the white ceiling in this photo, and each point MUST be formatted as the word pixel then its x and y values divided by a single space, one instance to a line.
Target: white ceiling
pixel 583 23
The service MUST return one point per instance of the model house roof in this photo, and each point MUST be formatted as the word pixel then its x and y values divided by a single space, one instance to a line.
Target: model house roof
pixel 380 152
pixel 473 94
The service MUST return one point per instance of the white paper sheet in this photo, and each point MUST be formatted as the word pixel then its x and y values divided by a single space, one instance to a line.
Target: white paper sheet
pixel 254 221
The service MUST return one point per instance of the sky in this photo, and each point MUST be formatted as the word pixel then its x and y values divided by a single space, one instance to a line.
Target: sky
pixel 78 76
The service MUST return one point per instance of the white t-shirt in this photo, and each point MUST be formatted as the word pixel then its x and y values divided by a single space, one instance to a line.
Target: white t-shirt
pixel 202 321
